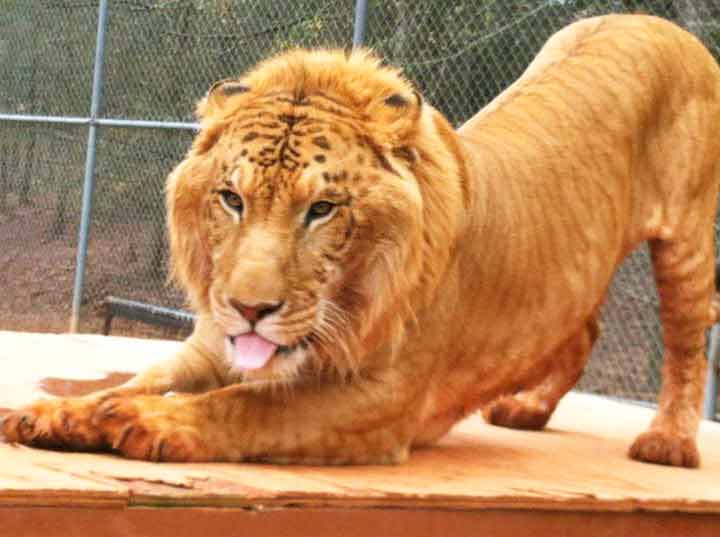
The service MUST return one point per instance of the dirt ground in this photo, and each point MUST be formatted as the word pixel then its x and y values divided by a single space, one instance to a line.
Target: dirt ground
pixel 37 272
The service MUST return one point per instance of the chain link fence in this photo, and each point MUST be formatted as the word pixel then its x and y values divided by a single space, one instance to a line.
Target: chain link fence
pixel 160 56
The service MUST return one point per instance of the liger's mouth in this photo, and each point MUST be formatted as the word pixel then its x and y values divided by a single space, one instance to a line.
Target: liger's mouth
pixel 281 349
pixel 252 351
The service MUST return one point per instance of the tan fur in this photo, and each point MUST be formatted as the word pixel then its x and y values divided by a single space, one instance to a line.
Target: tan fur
pixel 462 269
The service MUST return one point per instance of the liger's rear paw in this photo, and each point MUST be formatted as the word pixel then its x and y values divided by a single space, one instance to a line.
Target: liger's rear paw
pixel 509 411
pixel 54 423
pixel 661 447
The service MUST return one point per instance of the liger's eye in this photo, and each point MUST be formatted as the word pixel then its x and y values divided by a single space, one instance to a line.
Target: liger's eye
pixel 232 201
pixel 318 210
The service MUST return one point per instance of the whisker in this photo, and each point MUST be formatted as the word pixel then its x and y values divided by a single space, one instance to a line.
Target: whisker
pixel 291 320
pixel 331 324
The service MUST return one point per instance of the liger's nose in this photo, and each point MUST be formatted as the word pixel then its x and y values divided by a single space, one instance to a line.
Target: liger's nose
pixel 255 312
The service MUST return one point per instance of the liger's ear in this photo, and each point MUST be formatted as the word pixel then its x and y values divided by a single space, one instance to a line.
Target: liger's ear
pixel 396 116
pixel 190 261
pixel 216 97
pixel 397 100
pixel 212 109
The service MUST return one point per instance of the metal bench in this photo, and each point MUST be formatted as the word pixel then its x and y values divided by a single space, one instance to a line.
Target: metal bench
pixel 147 313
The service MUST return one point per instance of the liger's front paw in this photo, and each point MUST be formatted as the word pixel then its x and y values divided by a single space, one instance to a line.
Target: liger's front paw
pixel 662 447
pixel 150 428
pixel 54 423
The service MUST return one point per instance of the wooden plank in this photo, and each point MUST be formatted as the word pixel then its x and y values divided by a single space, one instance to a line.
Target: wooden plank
pixel 577 464
pixel 313 522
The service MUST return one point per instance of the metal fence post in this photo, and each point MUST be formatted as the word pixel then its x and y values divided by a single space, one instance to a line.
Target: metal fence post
pixel 711 385
pixel 361 11
pixel 89 178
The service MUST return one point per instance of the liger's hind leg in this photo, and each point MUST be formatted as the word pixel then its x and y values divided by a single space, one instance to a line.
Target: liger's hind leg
pixel 684 272
pixel 531 407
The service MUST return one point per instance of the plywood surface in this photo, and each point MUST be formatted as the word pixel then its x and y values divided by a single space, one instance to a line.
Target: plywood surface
pixel 577 464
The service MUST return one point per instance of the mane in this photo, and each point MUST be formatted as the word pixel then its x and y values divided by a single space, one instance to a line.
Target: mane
pixel 356 79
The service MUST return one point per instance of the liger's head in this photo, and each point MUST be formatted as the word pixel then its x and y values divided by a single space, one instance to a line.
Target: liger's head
pixel 296 218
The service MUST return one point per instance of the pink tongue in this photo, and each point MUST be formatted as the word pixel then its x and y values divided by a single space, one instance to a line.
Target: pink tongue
pixel 252 351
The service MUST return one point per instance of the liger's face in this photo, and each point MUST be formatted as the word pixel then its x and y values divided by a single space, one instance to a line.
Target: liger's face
pixel 301 203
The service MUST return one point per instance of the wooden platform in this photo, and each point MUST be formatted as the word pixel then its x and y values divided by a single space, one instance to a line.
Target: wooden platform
pixel 572 479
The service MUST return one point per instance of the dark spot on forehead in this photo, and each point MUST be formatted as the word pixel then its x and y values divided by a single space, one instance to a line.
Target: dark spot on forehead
pixel 243 152
pixel 250 136
pixel 319 158
pixel 224 167
pixel 290 119
pixel 335 177
pixel 321 142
